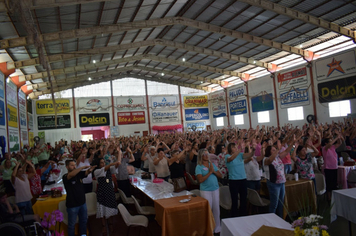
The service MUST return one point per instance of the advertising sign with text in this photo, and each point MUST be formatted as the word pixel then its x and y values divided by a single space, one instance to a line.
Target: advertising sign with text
pixel 294 97
pixel 262 103
pixel 129 103
pixel 129 118
pixel 30 121
pixel 14 140
pixel 164 101
pixel 196 101
pixel 12 116
pixel 234 93
pixel 199 125
pixel 44 107
pixel 219 109
pixel 93 104
pixel 164 116
pixel 11 93
pixel 337 90
pixel 97 119
pixel 2 112
pixel 23 120
pixel 217 96
pixel 2 80
pixel 197 114
pixel 22 101
pixel 238 107
pixel 47 122
pixel 292 78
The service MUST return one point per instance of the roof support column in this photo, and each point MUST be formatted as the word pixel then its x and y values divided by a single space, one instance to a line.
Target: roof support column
pixel 112 103
pixel 148 109
pixel 181 108
pixel 74 113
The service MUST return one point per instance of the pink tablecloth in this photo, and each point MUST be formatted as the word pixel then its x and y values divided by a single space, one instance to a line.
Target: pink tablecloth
pixel 342 173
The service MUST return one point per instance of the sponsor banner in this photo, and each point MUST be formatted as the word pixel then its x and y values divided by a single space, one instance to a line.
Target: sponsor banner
pixel 196 101
pixel 337 90
pixel 2 80
pixel 23 119
pixel 262 103
pixel 164 101
pixel 48 122
pixel 2 112
pixel 128 118
pixel 165 116
pixel 12 116
pixel 14 140
pixel 22 101
pixel 235 92
pixel 126 103
pixel 44 107
pixel 3 143
pixel 30 121
pixel 99 119
pixel 219 110
pixel 238 107
pixel 30 137
pixel 200 125
pixel 197 114
pixel 24 137
pixel 292 78
pixel 335 66
pixel 11 93
pixel 114 131
pixel 93 104
pixel 295 97
pixel 217 96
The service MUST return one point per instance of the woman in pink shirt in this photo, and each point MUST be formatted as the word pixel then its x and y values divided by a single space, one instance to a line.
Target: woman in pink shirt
pixel 330 163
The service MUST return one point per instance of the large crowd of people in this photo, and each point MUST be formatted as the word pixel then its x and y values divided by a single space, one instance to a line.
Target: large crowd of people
pixel 230 156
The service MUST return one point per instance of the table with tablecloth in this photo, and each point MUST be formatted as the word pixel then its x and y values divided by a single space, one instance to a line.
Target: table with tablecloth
pixel 342 173
pixel 247 225
pixel 297 194
pixel 191 218
pixel 48 205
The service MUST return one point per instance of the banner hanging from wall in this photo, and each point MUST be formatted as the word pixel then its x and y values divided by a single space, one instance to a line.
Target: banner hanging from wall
pixel 337 90
pixel 239 107
pixel 14 140
pixel 219 110
pixel 196 101
pixel 12 116
pixel 129 118
pixel 129 103
pixel 45 107
pixel 197 114
pixel 11 93
pixel 93 104
pixel 23 120
pixel 164 101
pixel 198 126
pixel 97 119
pixel 22 101
pixel 30 137
pixel 114 131
pixel 217 96
pixel 2 92
pixel 294 97
pixel 236 92
pixel 24 137
pixel 294 78
pixel 336 66
pixel 30 121
pixel 262 103
pixel 2 112
pixel 165 116
pixel 48 122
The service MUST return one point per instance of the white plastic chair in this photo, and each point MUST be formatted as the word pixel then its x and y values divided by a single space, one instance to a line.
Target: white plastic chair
pixel 143 210
pixel 255 199
pixel 126 200
pixel 192 181
pixel 320 184
pixel 196 192
pixel 132 221
pixel 225 197
pixel 91 202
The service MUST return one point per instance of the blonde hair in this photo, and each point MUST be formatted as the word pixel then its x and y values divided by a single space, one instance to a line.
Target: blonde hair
pixel 200 156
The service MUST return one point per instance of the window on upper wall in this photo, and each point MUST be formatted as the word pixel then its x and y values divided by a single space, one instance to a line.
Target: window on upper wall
pixel 338 109
pixel 239 119
pixel 263 117
pixel 295 113
pixel 220 121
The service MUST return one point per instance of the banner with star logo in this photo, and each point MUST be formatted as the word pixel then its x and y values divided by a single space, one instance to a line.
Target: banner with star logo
pixel 336 66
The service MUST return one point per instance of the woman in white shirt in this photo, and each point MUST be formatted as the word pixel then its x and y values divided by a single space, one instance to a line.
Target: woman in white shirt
pixel 252 169
pixel 161 165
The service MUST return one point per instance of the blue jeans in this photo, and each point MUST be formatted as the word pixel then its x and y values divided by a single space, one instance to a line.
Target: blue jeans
pixel 254 184
pixel 287 168
pixel 81 213
pixel 25 208
pixel 276 196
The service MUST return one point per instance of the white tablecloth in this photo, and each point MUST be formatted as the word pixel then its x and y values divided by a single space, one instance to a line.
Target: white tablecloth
pixel 344 204
pixel 58 182
pixel 247 225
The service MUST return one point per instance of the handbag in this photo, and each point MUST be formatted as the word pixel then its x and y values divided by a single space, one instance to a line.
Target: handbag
pixel 179 185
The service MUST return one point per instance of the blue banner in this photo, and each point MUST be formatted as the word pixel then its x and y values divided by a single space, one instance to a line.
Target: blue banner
pixel 295 97
pixel 219 110
pixel 262 103
pixel 2 112
pixel 238 107
pixel 197 114
pixel 199 125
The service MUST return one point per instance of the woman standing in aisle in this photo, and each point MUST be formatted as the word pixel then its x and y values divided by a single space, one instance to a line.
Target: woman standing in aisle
pixel 207 174
pixel 85 159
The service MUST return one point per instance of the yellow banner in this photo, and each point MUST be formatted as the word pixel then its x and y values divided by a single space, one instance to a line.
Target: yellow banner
pixel 12 116
pixel 196 101
pixel 30 139
pixel 46 106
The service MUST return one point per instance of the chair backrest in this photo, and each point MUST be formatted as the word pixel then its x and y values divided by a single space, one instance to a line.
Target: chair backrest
pixel 254 197
pixel 225 198
pixel 91 202
pixel 123 197
pixel 320 183
pixel 95 185
pixel 137 205
pixel 192 181
pixel 195 191
pixel 125 214
pixel 62 207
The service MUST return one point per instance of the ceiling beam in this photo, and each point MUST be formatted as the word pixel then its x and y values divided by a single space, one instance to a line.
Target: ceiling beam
pixel 111 49
pixel 108 29
pixel 92 66
pixel 277 8
pixel 36 94
pixel 39 4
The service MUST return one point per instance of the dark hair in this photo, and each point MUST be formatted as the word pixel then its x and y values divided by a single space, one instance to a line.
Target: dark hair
pixel 299 148
pixel 159 150
pixel 325 141
pixel 218 148
pixel 268 150
pixel 68 161
pixel 229 147
pixel 246 150
pixel 202 145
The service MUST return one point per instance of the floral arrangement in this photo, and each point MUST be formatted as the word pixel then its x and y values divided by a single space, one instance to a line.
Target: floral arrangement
pixel 309 226
pixel 50 220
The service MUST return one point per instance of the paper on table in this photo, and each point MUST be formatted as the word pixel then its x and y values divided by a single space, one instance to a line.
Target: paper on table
pixel 272 231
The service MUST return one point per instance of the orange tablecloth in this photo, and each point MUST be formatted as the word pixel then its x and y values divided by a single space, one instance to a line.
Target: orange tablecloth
pixel 48 205
pixel 192 218
pixel 298 194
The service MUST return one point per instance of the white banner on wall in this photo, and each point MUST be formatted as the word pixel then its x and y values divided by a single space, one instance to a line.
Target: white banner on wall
pixel 129 103
pixel 235 92
pixel 295 97
pixel 11 94
pixel 30 121
pixel 217 96
pixel 93 104
pixel 199 125
pixel 23 119
pixel 295 78
pixel 22 101
pixel 24 137
pixel 335 66
pixel 219 109
pixel 165 116
pixel 164 101
pixel 14 141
